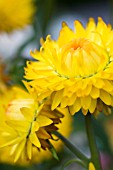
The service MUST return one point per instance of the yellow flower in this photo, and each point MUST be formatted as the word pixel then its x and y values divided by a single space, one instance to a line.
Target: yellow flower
pixel 15 14
pixel 77 69
pixel 65 128
pixel 27 126
pixel 91 166
pixel 38 156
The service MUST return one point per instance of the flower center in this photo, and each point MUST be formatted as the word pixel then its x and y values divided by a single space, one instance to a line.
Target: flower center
pixel 82 58
pixel 80 43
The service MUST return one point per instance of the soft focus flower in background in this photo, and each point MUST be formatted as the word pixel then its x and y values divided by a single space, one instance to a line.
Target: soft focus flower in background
pixel 16 25
pixel 15 14
pixel 26 127
pixel 76 69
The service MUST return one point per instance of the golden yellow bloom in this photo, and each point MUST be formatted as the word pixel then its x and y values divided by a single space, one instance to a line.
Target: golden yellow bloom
pixel 27 127
pixel 91 166
pixel 77 69
pixel 15 14
pixel 65 128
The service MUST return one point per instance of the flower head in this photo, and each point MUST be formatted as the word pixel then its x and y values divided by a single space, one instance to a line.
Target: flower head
pixel 77 69
pixel 27 126
pixel 65 128
pixel 15 14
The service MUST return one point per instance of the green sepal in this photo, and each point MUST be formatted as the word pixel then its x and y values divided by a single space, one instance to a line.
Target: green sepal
pixel 53 151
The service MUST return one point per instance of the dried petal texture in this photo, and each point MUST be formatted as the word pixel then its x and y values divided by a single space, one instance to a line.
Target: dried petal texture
pixel 77 69
pixel 26 124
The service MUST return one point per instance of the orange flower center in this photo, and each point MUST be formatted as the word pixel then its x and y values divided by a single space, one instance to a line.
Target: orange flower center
pixel 80 43
pixel 83 58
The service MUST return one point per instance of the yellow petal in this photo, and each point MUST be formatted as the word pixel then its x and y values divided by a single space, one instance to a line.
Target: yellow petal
pixel 44 95
pixel 84 112
pixel 80 31
pixel 101 26
pixel 46 112
pixel 108 86
pixel 28 113
pixel 72 99
pixel 64 102
pixel 99 83
pixel 43 134
pixel 40 108
pixel 75 107
pixel 29 148
pixel 18 125
pixel 35 126
pixel 57 99
pixel 105 97
pixel 34 140
pixel 85 102
pixel 91 166
pixel 92 105
pixel 91 25
pixel 43 121
pixel 19 150
pixel 95 92
pixel 66 34
pixel 11 142
pixel 87 90
pixel 13 148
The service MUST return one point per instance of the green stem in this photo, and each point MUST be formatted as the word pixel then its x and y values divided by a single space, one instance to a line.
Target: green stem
pixel 73 149
pixel 95 158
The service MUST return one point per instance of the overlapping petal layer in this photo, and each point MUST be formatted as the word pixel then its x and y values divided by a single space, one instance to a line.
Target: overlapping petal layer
pixel 26 126
pixel 77 69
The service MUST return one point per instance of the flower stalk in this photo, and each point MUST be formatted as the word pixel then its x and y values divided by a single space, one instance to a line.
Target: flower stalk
pixel 95 158
pixel 73 149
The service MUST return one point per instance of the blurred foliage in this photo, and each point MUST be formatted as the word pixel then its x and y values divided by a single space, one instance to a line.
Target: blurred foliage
pixel 16 70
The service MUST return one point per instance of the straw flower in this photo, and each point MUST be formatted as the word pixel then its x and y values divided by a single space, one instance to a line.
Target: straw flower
pixel 77 69
pixel 27 124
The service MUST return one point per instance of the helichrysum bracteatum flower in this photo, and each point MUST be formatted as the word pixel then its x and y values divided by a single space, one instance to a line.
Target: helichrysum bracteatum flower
pixel 27 126
pixel 15 14
pixel 77 69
